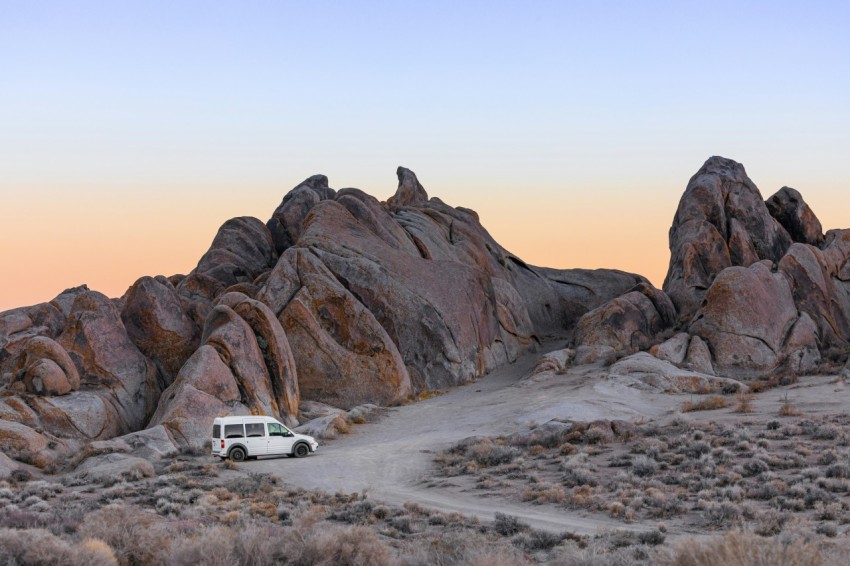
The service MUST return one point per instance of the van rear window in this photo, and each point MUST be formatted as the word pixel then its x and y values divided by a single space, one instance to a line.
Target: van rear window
pixel 255 429
pixel 234 431
pixel 216 431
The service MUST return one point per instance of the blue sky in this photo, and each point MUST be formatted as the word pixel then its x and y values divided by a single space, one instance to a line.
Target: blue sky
pixel 543 116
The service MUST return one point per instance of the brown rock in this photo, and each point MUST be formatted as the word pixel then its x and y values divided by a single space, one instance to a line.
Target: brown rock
pixel 159 326
pixel 44 377
pixel 747 314
pixel 721 221
pixel 409 192
pixel 343 355
pixel 698 357
pixel 672 350
pixel 628 323
pixel 789 208
pixel 42 348
pixel 108 360
pixel 287 221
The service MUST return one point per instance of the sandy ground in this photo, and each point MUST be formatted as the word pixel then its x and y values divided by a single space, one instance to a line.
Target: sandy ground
pixel 392 459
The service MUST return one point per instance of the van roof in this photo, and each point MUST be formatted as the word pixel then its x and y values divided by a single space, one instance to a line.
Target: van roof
pixel 245 418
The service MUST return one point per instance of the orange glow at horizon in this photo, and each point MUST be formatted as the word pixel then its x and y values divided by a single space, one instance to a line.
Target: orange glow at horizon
pixel 108 239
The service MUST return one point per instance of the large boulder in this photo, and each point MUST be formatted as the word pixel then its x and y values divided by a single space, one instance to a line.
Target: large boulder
pixel 798 219
pixel 108 361
pixel 644 371
pixel 721 222
pixel 45 368
pixel 159 326
pixel 628 323
pixel 746 320
pixel 343 355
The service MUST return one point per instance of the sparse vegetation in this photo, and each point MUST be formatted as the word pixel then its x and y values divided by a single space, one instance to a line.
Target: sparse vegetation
pixel 707 404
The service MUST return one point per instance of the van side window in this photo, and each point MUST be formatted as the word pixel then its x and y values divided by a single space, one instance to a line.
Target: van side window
pixel 234 431
pixel 255 429
pixel 216 431
pixel 276 430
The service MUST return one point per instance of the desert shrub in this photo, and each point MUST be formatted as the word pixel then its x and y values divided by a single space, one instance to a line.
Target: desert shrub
pixel 708 404
pixel 355 546
pixel 651 538
pixel 468 548
pixel 742 549
pixel 358 513
pixel 136 536
pixel 643 466
pixel 827 457
pixel 508 525
pixel 214 546
pixel 721 515
pixel 745 403
pixel 827 529
pixel 536 540
pixel 37 547
pixel 838 470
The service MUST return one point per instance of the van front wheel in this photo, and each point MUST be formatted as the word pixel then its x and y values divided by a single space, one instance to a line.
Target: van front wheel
pixel 300 451
pixel 237 454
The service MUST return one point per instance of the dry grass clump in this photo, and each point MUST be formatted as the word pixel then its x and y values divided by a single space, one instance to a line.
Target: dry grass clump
pixel 38 547
pixel 787 409
pixel 709 404
pixel 743 549
pixel 744 402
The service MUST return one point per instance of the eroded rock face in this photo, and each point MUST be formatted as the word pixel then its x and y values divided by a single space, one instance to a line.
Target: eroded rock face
pixel 721 222
pixel 746 319
pixel 628 323
pixel 159 326
pixel 789 208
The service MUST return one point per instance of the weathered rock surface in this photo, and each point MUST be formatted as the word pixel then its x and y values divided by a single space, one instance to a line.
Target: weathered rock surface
pixel 721 222
pixel 159 326
pixel 672 350
pixel 628 323
pixel 645 371
pixel 798 219
pixel 114 467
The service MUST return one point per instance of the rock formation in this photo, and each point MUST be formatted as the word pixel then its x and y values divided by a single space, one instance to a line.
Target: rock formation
pixel 338 298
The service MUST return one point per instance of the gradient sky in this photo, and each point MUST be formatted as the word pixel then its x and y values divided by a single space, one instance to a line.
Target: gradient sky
pixel 130 131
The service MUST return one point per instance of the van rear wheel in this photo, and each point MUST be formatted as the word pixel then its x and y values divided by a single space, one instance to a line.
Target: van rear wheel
pixel 300 451
pixel 237 454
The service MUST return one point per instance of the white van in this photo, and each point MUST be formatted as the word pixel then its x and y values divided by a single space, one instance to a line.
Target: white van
pixel 240 438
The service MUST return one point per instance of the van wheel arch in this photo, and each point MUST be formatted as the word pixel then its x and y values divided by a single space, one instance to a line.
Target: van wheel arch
pixel 238 453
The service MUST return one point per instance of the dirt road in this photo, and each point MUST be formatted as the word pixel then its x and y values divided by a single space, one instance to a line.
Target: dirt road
pixel 391 459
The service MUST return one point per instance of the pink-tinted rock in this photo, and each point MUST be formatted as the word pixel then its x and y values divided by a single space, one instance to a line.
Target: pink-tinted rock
pixel 721 221
pixel 746 317
pixel 108 361
pixel 286 223
pixel 158 325
pixel 644 371
pixel 672 350
pixel 817 292
pixel 204 389
pixel 343 355
pixel 789 208
pixel 49 357
pixel 44 377
pixel 237 346
pixel 698 357
pixel 409 192
pixel 628 323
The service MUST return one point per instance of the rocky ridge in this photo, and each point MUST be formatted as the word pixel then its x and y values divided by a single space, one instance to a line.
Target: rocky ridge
pixel 339 298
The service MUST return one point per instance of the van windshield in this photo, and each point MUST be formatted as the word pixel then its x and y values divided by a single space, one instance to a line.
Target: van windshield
pixel 276 429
